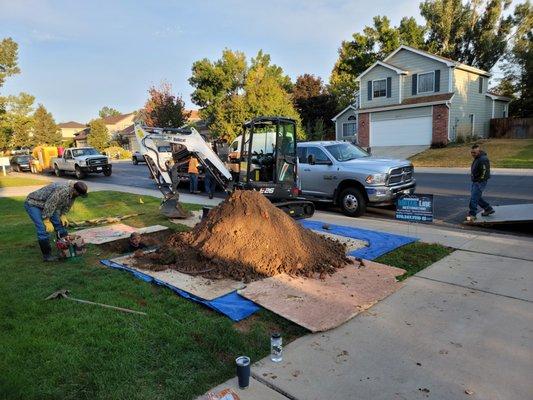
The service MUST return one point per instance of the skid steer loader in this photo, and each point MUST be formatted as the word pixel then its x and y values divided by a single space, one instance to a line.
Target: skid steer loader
pixel 267 163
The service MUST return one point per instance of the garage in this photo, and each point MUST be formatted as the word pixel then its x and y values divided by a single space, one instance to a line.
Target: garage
pixel 411 127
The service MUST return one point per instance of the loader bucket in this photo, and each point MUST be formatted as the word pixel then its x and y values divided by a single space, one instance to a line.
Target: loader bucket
pixel 172 208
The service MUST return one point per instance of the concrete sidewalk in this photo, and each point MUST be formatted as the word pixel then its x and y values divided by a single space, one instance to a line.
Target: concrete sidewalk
pixel 466 171
pixel 459 329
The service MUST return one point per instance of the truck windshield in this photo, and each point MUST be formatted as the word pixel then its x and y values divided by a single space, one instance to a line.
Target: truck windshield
pixel 84 152
pixel 346 151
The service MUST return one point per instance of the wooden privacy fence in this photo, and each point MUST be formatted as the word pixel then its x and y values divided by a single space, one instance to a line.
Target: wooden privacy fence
pixel 511 128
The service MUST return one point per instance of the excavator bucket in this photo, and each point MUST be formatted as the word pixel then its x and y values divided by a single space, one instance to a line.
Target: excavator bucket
pixel 172 208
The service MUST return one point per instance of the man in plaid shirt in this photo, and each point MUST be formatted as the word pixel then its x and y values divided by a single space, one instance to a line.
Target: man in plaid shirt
pixel 50 203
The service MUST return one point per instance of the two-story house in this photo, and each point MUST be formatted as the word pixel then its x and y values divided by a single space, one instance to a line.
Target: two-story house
pixel 68 129
pixel 416 98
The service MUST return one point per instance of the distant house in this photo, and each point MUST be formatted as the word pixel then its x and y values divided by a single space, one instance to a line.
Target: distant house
pixel 116 123
pixel 413 97
pixel 68 129
pixel 80 137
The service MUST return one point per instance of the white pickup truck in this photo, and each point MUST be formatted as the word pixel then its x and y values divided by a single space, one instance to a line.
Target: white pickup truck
pixel 81 161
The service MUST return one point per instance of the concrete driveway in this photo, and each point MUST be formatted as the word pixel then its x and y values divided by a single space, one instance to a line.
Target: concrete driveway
pixel 397 152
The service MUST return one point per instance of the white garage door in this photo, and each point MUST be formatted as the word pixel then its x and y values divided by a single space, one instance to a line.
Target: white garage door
pixel 401 132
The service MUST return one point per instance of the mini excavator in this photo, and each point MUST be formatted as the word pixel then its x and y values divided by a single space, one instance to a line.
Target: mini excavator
pixel 267 162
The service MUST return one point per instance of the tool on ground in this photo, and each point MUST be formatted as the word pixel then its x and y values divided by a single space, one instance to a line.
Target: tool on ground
pixel 70 246
pixel 64 294
pixel 101 221
pixel 267 161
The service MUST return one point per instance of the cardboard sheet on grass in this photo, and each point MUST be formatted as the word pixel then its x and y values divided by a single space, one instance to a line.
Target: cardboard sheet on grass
pixel 231 304
pixel 110 233
pixel 379 243
pixel 319 305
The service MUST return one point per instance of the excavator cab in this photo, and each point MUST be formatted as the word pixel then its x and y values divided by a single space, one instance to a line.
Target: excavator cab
pixel 268 163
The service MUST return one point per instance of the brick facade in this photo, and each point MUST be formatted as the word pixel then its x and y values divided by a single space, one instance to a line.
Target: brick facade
pixel 440 125
pixel 363 132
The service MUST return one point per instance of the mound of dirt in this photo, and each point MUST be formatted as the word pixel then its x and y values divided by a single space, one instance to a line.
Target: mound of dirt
pixel 246 238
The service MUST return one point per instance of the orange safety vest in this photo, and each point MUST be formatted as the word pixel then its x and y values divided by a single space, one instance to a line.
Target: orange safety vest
pixel 193 166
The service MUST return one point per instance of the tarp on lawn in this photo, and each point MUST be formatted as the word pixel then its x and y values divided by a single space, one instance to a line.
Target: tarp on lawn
pixel 232 304
pixel 379 243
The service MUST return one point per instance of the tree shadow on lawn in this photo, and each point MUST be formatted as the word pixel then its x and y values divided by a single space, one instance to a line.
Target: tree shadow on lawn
pixel 179 350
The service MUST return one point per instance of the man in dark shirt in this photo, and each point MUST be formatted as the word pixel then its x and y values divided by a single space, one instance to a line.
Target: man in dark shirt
pixel 480 173
pixel 50 203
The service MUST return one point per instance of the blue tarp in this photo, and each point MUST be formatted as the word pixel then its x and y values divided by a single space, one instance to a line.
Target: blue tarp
pixel 232 304
pixel 379 243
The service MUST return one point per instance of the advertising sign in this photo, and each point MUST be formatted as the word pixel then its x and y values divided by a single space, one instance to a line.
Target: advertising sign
pixel 415 208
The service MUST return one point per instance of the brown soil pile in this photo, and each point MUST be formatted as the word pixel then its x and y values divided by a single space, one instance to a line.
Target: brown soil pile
pixel 246 237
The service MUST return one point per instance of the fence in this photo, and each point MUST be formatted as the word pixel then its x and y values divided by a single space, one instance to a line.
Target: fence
pixel 511 128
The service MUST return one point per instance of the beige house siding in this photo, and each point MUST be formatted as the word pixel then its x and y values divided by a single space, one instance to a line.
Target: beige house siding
pixel 379 72
pixel 417 64
pixel 344 119
pixel 68 133
pixel 467 101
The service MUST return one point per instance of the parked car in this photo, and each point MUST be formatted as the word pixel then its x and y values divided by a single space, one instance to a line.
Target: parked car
pixel 20 163
pixel 346 175
pixel 137 157
pixel 81 161
pixel 164 150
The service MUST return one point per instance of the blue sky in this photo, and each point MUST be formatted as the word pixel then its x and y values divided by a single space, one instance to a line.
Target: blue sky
pixel 77 56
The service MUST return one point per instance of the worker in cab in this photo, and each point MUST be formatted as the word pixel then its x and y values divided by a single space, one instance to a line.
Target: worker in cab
pixel 193 175
pixel 47 206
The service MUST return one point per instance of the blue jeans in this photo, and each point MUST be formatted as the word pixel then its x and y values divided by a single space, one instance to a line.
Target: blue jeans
pixel 475 198
pixel 36 215
pixel 209 183
pixel 193 183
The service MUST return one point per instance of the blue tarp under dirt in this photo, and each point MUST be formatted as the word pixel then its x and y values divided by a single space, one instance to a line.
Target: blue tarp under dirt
pixel 232 304
pixel 379 243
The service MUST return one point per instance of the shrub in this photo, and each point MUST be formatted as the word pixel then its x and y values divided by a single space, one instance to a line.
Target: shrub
pixel 117 152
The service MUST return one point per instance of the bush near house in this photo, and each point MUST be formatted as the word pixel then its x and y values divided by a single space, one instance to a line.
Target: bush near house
pixel 503 153
pixel 117 153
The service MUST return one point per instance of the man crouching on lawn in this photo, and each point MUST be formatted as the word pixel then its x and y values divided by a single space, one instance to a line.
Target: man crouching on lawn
pixel 47 205
pixel 480 174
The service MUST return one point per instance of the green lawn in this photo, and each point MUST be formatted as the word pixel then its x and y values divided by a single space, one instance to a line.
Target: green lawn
pixel 11 181
pixel 503 153
pixel 66 350
pixel 414 257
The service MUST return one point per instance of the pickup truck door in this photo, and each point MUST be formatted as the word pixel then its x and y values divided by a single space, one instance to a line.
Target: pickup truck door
pixel 67 161
pixel 318 179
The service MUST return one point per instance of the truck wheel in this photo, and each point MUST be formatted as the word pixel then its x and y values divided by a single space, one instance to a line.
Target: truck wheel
pixel 352 202
pixel 134 160
pixel 79 173
pixel 57 170
pixel 107 172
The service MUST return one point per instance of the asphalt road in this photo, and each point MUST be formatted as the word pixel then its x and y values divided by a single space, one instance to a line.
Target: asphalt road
pixel 451 190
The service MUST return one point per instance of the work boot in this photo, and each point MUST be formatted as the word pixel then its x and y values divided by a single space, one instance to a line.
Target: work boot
pixel 46 249
pixel 488 212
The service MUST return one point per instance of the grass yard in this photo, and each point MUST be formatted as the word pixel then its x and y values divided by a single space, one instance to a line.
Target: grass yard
pixel 414 257
pixel 503 153
pixel 66 350
pixel 12 181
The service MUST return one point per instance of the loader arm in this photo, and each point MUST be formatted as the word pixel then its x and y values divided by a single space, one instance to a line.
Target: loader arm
pixel 150 138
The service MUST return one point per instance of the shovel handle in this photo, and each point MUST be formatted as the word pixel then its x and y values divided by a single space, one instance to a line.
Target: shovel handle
pixel 106 306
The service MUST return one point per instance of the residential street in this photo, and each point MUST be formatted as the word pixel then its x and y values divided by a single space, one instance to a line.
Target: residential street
pixel 451 188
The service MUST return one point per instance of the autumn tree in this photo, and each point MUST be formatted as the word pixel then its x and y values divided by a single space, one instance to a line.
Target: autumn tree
pixel 45 129
pixel 108 112
pixel 315 105
pixel 164 109
pixel 98 136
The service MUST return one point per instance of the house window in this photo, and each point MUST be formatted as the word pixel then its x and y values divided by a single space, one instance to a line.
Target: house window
pixel 349 128
pixel 472 123
pixel 426 82
pixel 480 84
pixel 505 112
pixel 379 88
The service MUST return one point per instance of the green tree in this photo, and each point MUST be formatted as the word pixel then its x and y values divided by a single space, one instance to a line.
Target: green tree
pixel 108 112
pixel 163 109
pixel 8 59
pixel 98 136
pixel 16 120
pixel 45 129
pixel 518 65
pixel 231 90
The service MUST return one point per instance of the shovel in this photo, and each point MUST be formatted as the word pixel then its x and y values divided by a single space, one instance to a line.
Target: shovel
pixel 64 294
